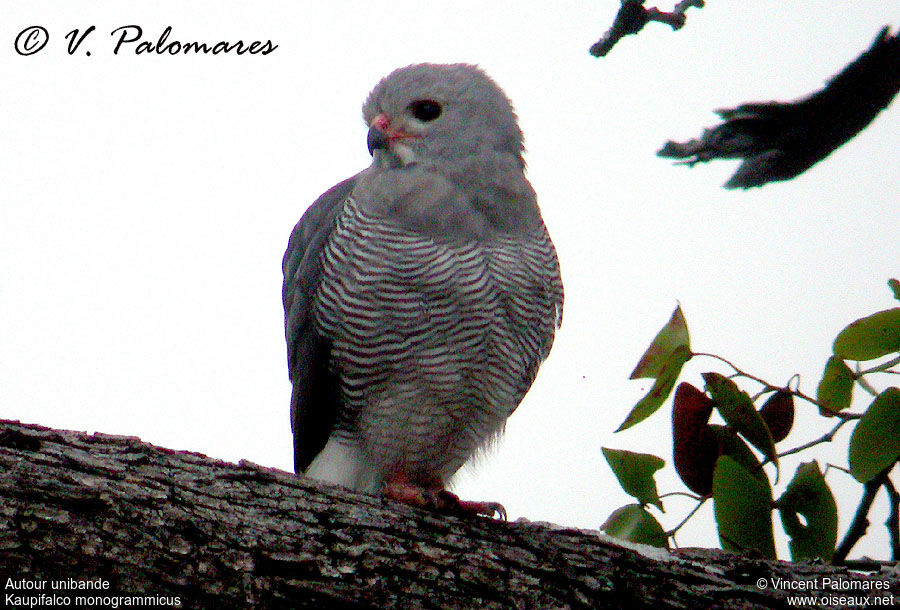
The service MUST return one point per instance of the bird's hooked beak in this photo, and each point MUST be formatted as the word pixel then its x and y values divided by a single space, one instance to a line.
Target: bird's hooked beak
pixel 378 136
pixel 382 135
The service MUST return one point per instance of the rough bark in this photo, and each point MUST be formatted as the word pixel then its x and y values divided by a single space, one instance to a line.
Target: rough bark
pixel 82 510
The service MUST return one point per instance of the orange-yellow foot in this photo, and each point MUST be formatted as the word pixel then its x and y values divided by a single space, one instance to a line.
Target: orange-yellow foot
pixel 439 499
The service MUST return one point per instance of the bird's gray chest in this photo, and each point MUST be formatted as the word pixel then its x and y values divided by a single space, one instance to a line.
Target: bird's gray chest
pixel 424 337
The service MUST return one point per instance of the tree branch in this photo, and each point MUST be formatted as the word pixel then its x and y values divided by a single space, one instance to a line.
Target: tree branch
pixel 148 521
pixel 632 17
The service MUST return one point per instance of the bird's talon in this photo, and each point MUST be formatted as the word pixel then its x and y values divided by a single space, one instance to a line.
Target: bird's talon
pixel 440 500
pixel 487 509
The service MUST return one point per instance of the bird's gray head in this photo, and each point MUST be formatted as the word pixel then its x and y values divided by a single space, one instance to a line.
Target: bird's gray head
pixel 438 114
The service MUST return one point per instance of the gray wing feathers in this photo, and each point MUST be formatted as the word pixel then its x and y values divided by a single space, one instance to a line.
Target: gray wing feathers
pixel 528 273
pixel 315 394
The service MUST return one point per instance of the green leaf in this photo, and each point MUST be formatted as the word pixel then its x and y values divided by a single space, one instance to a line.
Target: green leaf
pixel 894 285
pixel 635 474
pixel 733 446
pixel 661 389
pixel 738 411
pixel 632 522
pixel 670 338
pixel 835 391
pixel 875 442
pixel 743 508
pixel 870 337
pixel 808 495
pixel 662 361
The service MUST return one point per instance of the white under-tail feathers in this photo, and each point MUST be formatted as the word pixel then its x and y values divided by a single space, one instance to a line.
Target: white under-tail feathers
pixel 342 462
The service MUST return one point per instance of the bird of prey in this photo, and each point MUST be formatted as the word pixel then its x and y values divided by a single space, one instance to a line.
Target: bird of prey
pixel 781 140
pixel 420 295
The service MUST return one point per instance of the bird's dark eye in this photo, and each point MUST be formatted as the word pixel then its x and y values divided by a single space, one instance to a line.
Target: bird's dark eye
pixel 425 110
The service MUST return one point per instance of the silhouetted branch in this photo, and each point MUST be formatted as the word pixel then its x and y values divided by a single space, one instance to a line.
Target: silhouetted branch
pixel 632 17
pixel 780 140
pixel 825 438
pixel 893 520
pixel 860 522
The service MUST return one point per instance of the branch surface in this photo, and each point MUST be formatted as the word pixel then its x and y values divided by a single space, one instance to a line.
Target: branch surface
pixel 153 521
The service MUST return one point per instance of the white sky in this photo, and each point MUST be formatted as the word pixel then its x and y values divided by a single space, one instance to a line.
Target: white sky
pixel 147 201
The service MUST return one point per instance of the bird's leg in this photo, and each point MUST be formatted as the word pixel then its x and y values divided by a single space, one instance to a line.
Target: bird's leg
pixel 435 497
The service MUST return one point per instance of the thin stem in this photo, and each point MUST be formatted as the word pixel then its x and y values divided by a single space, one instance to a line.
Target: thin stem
pixel 680 493
pixel 737 370
pixel 684 5
pixel 847 416
pixel 794 376
pixel 671 532
pixel 676 18
pixel 893 520
pixel 829 466
pixel 756 396
pixel 860 522
pixel 826 438
pixel 803 396
pixel 766 385
pixel 881 368
pixel 864 384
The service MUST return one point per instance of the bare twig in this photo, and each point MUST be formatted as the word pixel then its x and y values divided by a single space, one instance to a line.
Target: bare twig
pixel 671 533
pixel 680 493
pixel 864 383
pixel 829 466
pixel 684 5
pixel 881 368
pixel 740 372
pixel 632 17
pixel 847 416
pixel 826 438
pixel 893 520
pixel 860 522
pixel 767 387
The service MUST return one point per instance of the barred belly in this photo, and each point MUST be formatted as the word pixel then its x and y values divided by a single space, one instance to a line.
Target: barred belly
pixel 434 343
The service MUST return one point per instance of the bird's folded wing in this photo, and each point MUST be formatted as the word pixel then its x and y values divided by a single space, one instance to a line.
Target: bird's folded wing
pixel 314 396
